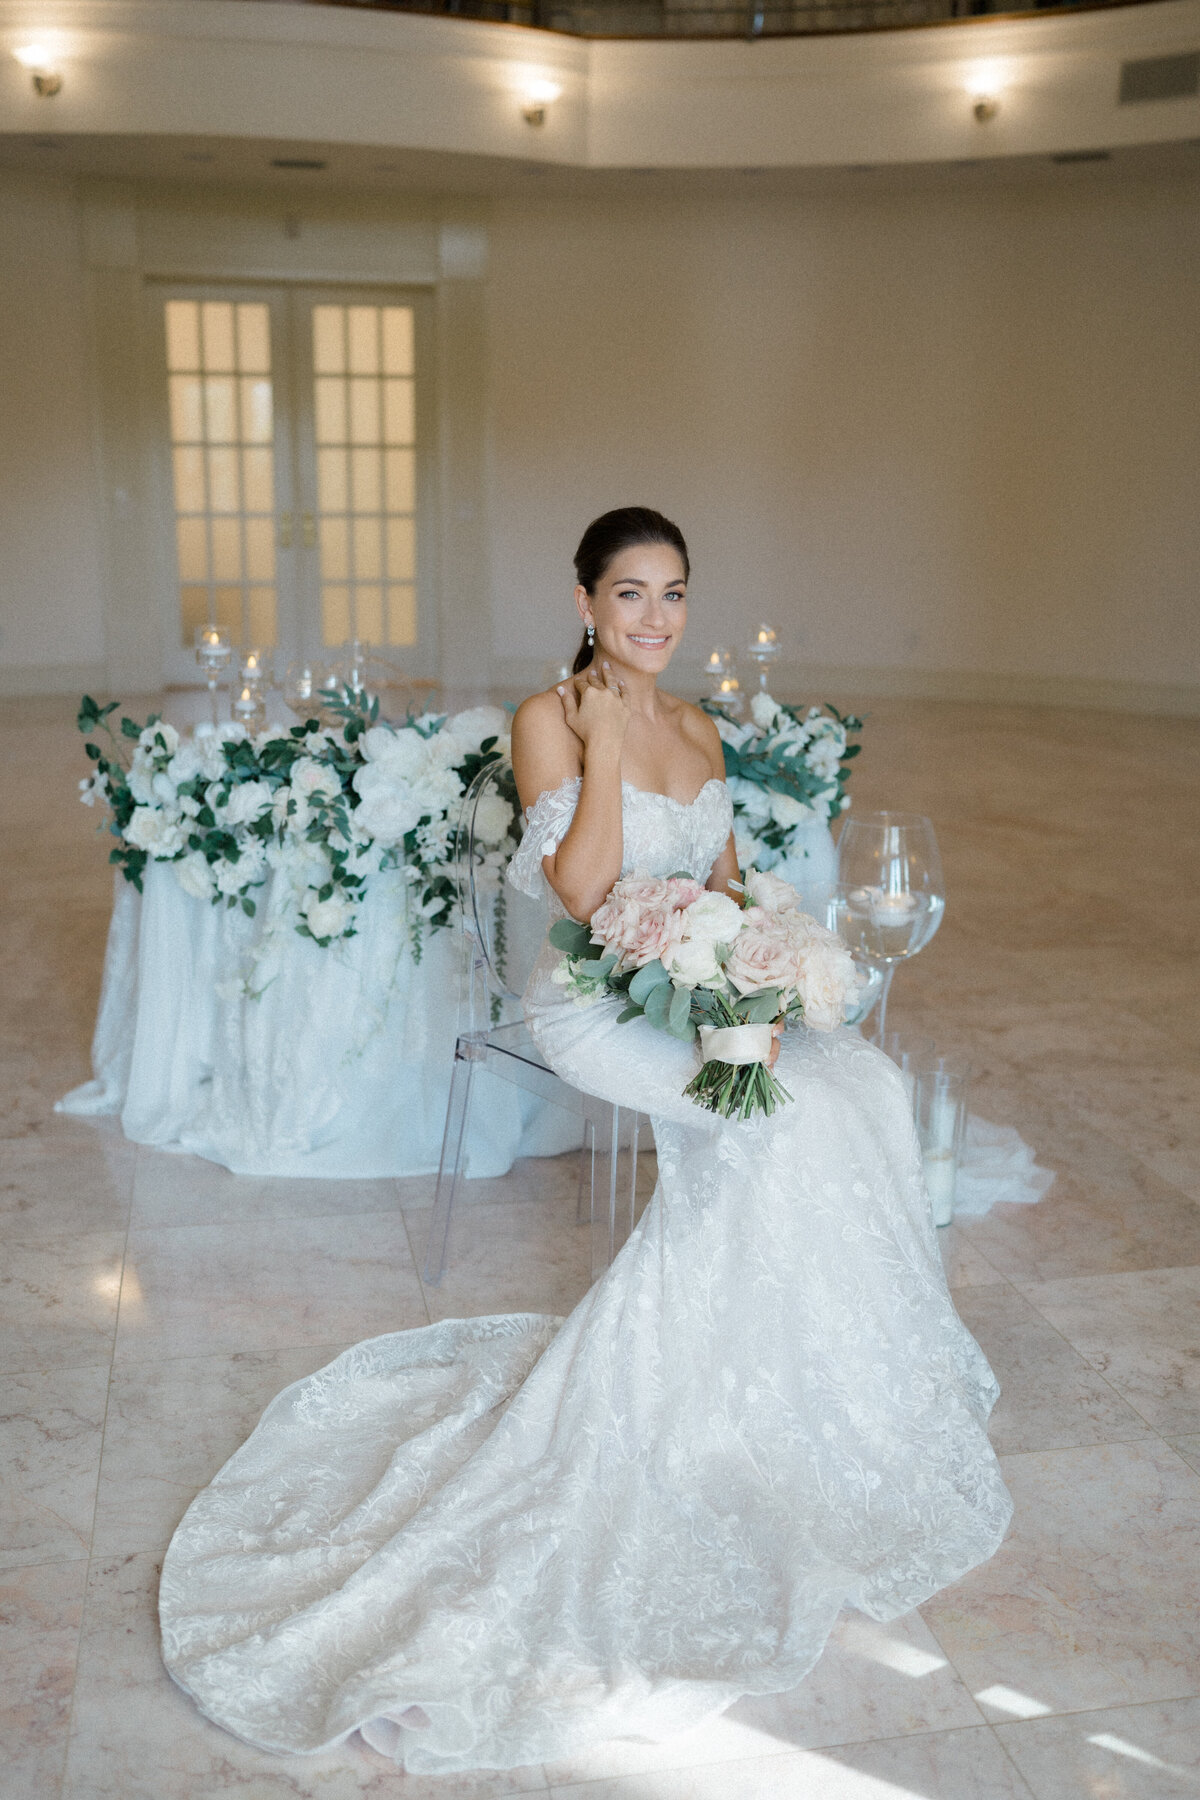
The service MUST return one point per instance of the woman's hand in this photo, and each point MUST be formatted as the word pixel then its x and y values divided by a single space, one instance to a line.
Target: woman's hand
pixel 777 1035
pixel 597 708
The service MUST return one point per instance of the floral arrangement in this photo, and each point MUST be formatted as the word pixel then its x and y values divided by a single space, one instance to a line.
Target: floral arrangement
pixel 785 768
pixel 327 805
pixel 699 964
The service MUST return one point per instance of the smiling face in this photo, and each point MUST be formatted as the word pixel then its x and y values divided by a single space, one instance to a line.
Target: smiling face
pixel 639 608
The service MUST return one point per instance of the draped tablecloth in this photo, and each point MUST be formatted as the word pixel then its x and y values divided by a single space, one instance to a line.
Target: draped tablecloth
pixel 239 1040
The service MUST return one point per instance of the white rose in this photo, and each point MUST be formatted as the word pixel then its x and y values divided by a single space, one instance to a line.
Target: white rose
pixel 824 757
pixel 388 807
pixel 187 762
pixel 437 790
pixel 828 981
pixel 693 962
pixel 311 778
pixel 163 789
pixel 149 738
pixel 787 811
pixel 246 802
pixel 232 877
pixel 493 816
pixel 194 876
pixel 443 750
pixel 477 723
pixel 749 850
pixel 328 918
pixel 764 711
pixel 770 892
pixel 141 777
pixel 402 752
pixel 155 832
pixel 714 918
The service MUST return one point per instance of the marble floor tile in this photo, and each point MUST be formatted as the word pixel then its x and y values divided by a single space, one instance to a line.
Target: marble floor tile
pixel 1092 1599
pixel 1141 1331
pixel 1050 1397
pixel 40 1613
pixel 65 1182
pixel 969 1764
pixel 188 1190
pixel 1188 1448
pixel 1117 1753
pixel 58 1300
pixel 964 1263
pixel 51 1425
pixel 171 1425
pixel 872 1681
pixel 136 1736
pixel 521 1256
pixel 195 1290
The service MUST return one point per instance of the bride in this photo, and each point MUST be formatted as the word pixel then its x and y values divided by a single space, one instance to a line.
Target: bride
pixel 496 1541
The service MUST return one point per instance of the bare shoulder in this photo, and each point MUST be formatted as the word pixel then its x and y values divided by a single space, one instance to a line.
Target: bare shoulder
pixel 538 714
pixel 699 729
pixel 545 751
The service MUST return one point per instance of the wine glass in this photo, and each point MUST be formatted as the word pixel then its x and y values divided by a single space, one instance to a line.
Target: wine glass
pixel 890 893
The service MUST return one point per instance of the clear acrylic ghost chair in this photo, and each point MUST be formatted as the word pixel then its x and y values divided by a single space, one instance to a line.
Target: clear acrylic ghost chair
pixel 504 931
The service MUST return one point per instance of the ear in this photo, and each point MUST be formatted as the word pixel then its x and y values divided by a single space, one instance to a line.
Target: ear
pixel 583 605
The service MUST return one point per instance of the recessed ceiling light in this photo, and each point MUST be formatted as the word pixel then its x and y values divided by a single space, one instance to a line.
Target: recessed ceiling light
pixel 298 162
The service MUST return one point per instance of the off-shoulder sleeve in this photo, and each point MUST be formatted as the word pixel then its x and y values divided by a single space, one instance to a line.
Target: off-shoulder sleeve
pixel 546 824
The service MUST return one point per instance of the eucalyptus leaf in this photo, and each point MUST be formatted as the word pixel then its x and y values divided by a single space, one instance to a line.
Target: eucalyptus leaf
pixel 569 935
pixel 647 979
pixel 658 1005
pixel 679 1012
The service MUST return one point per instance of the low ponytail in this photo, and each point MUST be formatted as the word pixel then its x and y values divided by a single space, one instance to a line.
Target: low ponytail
pixel 605 538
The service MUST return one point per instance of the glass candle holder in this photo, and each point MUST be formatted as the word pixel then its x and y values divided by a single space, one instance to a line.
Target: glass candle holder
pixel 256 665
pixel 248 705
pixel 214 653
pixel 940 1105
pixel 762 649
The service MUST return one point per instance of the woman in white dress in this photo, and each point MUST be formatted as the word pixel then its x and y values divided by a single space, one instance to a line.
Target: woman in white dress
pixel 496 1541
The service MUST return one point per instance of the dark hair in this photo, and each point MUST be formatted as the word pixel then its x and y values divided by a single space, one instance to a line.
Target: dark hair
pixel 606 537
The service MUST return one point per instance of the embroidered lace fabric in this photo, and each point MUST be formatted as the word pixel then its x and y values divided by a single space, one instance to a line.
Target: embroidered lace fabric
pixel 497 1541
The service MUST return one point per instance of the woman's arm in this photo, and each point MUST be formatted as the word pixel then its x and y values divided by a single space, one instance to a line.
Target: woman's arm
pixel 577 731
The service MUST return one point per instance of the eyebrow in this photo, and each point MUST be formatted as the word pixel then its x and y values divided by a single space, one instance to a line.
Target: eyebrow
pixel 636 581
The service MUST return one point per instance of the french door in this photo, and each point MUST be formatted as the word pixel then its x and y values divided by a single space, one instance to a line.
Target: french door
pixel 295 491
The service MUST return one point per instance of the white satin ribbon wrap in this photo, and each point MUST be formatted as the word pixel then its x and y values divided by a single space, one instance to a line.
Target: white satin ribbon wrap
pixel 735 1043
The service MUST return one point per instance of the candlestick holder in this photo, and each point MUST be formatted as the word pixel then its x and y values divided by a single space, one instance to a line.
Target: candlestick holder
pixel 940 1110
pixel 249 706
pixel 718 667
pixel 763 649
pixel 214 652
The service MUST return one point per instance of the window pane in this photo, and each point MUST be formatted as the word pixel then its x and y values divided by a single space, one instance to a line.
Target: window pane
pixel 193 611
pixel 191 542
pixel 226 549
pixel 368 614
pixel 187 417
pixel 334 551
pixel 402 615
pixel 397 340
pixel 261 608
pixel 254 339
pixel 189 480
pixel 258 480
pixel 331 410
pixel 364 411
pixel 223 481
pixel 227 611
pixel 257 423
pixel 335 614
pixel 329 342
pixel 331 481
pixel 401 549
pixel 219 410
pixel 398 412
pixel 364 339
pixel 368 551
pixel 368 496
pixel 260 549
pixel 183 337
pixel 216 323
pixel 401 481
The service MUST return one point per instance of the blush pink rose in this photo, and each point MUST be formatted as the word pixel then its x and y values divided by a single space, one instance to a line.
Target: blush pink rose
pixel 684 891
pixel 763 956
pixel 638 921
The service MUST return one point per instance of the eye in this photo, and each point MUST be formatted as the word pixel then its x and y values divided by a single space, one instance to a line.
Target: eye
pixel 674 594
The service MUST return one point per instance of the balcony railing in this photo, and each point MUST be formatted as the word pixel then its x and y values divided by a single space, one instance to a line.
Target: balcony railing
pixel 712 19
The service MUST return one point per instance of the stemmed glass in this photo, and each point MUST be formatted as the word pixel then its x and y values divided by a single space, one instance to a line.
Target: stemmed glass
pixel 890 893
pixel 763 648
pixel 214 652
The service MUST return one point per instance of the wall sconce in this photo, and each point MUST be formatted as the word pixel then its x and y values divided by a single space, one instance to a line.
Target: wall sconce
pixel 42 65
pixel 536 97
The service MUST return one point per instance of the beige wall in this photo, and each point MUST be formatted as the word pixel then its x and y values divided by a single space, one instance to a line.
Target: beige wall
pixel 946 440
pixel 935 436
pixel 50 580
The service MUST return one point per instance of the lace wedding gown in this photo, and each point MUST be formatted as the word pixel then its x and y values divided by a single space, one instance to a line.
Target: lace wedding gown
pixel 495 1541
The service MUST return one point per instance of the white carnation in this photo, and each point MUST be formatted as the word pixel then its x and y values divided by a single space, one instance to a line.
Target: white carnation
pixel 156 832
pixel 714 918
pixel 328 918
pixel 194 876
pixel 493 816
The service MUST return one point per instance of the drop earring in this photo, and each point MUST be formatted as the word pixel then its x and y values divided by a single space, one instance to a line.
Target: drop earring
pixel 591 636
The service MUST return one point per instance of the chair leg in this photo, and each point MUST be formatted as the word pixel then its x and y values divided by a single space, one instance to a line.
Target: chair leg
pixel 583 1192
pixel 450 1169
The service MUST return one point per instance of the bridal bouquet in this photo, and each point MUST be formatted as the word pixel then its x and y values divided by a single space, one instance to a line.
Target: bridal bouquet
pixel 699 964
pixel 785 769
